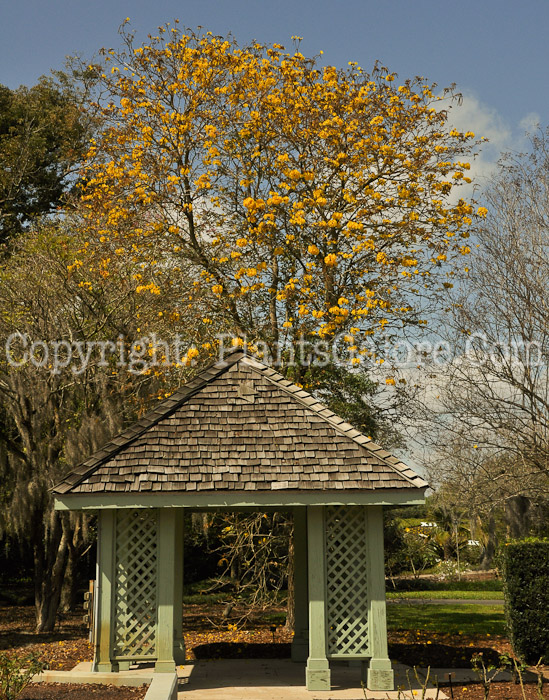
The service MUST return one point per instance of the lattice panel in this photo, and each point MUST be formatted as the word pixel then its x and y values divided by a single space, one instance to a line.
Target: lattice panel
pixel 346 581
pixel 134 635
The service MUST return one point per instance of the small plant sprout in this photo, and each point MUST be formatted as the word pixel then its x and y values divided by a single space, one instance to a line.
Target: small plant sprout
pixel 486 674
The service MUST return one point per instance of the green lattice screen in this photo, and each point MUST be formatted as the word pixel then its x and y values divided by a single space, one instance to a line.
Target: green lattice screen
pixel 346 582
pixel 134 633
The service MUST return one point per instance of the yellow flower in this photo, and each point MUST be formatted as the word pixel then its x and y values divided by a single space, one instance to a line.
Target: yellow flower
pixel 313 250
pixel 217 289
pixel 331 260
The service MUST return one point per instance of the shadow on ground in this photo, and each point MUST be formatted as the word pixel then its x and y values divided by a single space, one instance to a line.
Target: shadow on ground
pixel 440 655
pixel 412 654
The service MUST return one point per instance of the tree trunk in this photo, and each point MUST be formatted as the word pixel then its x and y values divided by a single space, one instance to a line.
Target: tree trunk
pixel 50 550
pixel 77 540
pixel 490 548
pixel 517 515
pixel 70 582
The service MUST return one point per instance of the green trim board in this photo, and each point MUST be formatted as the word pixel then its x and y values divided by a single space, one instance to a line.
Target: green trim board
pixel 167 540
pixel 300 641
pixel 380 673
pixel 239 499
pixel 317 673
pixel 104 591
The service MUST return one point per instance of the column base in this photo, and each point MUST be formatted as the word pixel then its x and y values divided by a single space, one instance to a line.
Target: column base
pixel 106 667
pixel 318 675
pixel 179 651
pixel 164 667
pixel 380 675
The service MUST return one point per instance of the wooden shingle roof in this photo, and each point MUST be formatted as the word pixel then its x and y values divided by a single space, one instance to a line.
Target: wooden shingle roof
pixel 239 426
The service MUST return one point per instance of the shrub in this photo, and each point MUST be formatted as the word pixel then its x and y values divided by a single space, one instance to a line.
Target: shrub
pixel 17 673
pixel 525 568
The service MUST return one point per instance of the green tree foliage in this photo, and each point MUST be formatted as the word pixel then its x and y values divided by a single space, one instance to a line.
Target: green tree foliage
pixel 42 137
pixel 353 396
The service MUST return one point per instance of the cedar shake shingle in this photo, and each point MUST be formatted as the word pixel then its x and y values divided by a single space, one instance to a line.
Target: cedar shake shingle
pixel 239 425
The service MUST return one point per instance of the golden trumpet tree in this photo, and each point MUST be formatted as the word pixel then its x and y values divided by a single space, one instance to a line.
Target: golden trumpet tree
pixel 303 200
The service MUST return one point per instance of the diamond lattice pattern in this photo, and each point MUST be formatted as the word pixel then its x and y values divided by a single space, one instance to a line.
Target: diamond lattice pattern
pixel 136 577
pixel 346 581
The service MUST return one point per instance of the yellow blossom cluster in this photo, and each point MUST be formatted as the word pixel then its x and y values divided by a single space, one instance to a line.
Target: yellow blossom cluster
pixel 300 200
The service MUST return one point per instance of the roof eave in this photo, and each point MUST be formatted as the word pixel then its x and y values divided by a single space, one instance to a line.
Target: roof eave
pixel 279 498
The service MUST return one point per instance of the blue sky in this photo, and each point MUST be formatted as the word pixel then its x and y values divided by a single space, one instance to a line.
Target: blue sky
pixel 495 50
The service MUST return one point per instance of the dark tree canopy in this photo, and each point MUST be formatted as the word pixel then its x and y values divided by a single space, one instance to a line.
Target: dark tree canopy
pixel 42 134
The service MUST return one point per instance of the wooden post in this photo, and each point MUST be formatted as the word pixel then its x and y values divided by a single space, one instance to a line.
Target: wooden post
pixel 380 672
pixel 178 642
pixel 300 642
pixel 165 590
pixel 318 668
pixel 105 592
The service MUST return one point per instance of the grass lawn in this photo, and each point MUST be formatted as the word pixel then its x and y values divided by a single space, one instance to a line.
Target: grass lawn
pixel 445 594
pixel 448 619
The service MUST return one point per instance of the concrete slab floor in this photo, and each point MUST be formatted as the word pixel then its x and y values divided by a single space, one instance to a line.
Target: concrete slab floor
pixel 281 679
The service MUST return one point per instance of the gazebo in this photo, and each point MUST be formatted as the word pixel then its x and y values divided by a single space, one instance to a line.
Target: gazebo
pixel 241 437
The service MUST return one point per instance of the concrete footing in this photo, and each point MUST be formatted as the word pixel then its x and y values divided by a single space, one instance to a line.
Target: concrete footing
pixel 162 686
pixel 254 679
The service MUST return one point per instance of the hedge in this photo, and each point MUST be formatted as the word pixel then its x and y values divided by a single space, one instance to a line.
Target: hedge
pixel 525 566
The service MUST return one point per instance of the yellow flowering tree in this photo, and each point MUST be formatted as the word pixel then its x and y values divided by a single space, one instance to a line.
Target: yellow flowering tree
pixel 302 201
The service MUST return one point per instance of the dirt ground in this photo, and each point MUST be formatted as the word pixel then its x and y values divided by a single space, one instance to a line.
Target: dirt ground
pixel 84 691
pixel 69 645
pixel 498 691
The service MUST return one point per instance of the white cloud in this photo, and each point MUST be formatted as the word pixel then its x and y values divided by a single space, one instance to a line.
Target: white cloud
pixel 486 122
pixel 472 115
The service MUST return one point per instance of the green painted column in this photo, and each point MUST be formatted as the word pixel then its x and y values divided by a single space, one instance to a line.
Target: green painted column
pixel 380 673
pixel 178 642
pixel 318 668
pixel 166 589
pixel 300 642
pixel 105 591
